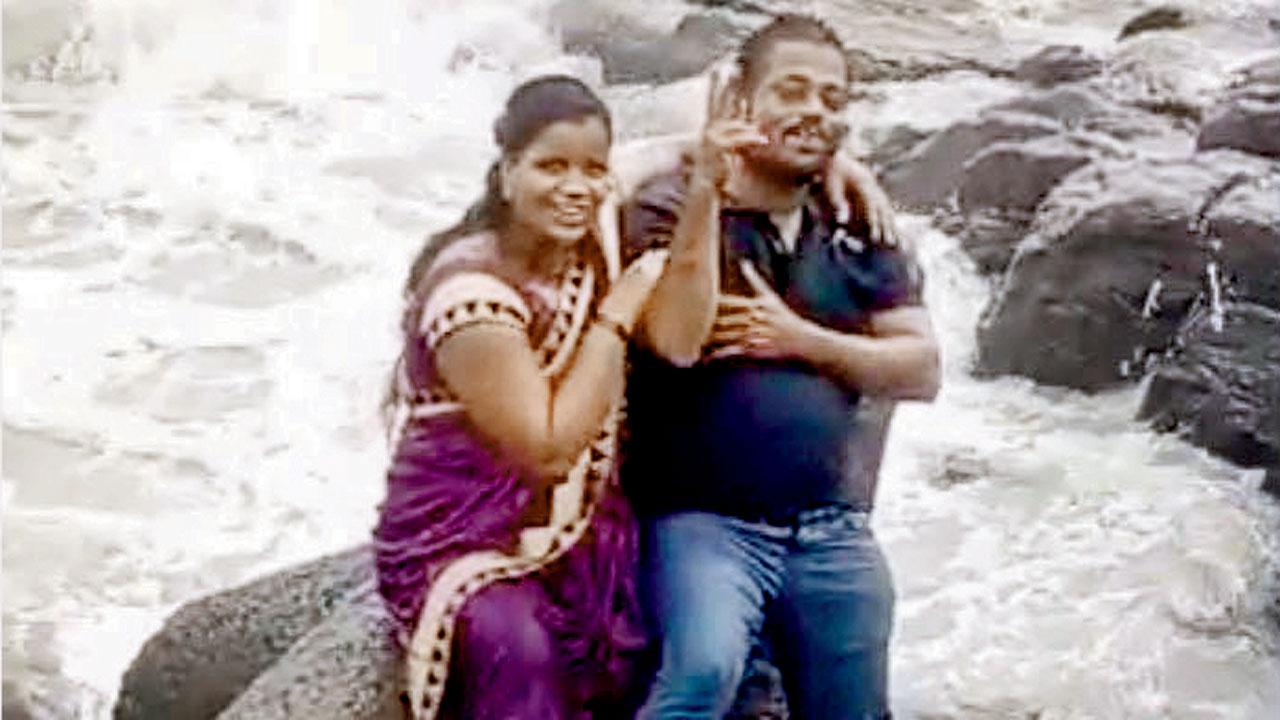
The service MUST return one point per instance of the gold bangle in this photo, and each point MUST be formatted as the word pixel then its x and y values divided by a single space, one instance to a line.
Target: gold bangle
pixel 615 326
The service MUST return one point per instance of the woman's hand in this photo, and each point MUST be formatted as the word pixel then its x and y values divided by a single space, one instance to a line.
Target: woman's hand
pixel 627 298
pixel 849 181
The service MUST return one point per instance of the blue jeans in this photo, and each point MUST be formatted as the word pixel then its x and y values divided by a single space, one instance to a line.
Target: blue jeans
pixel 819 591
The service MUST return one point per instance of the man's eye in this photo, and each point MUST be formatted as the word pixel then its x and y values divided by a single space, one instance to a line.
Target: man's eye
pixel 596 170
pixel 792 93
pixel 835 99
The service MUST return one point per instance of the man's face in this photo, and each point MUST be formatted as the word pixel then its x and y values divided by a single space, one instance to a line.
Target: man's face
pixel 798 102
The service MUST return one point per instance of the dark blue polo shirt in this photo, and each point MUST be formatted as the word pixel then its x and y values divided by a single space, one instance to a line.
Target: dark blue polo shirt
pixel 760 439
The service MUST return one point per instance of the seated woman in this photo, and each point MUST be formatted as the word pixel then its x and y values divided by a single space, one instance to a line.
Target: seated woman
pixel 504 549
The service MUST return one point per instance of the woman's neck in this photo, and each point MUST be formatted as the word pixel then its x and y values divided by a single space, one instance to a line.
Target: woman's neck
pixel 532 255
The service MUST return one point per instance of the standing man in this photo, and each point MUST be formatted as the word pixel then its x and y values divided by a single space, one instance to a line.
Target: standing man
pixel 756 424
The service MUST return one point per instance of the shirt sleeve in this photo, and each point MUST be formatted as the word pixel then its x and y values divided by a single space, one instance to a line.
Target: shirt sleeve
pixel 467 299
pixel 649 218
pixel 886 278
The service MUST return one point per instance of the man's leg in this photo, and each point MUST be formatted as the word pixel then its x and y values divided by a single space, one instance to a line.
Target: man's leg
pixel 833 621
pixel 707 578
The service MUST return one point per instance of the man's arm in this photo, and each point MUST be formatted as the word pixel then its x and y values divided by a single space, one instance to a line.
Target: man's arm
pixel 897 358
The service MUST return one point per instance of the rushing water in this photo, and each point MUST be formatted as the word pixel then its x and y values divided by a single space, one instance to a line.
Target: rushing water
pixel 207 215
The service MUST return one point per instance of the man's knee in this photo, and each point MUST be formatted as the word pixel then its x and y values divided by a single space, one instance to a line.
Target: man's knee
pixel 698 679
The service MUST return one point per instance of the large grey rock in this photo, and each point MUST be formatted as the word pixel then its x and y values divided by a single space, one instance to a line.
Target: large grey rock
pixel 633 53
pixel 1221 388
pixel 1248 117
pixel 311 642
pixel 930 174
pixel 1057 64
pixel 1018 175
pixel 213 649
pixel 1165 17
pixel 1166 74
pixel 1114 262
pixel 1246 222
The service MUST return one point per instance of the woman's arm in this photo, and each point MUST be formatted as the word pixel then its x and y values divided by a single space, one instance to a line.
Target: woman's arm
pixel 544 423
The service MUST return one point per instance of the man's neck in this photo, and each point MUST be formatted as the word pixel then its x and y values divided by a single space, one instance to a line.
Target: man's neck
pixel 752 188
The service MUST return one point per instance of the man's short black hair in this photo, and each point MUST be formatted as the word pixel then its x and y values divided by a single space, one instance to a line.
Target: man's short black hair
pixel 784 27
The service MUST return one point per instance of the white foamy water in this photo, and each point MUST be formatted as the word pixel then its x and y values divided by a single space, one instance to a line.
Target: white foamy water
pixel 200 297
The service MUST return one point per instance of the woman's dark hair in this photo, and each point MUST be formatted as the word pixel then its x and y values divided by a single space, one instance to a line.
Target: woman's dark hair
pixel 532 107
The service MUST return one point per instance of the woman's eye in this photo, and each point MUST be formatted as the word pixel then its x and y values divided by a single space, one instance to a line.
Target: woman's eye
pixel 552 165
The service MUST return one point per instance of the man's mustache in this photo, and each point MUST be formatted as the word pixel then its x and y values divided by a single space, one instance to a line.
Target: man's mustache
pixel 832 133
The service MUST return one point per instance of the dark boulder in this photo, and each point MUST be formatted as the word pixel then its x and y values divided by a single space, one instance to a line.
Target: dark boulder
pixel 212 650
pixel 631 53
pixel 1165 17
pixel 1220 389
pixel 1248 117
pixel 1115 260
pixel 929 175
pixel 1057 64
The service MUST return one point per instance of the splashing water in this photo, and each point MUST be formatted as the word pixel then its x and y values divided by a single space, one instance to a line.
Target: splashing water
pixel 200 305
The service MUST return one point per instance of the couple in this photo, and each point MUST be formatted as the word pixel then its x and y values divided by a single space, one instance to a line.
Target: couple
pixel 521 583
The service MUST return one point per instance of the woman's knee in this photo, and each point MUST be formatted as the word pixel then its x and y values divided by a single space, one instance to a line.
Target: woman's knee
pixel 503 624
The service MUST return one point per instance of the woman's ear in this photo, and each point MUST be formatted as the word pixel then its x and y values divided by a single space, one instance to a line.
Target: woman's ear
pixel 504 179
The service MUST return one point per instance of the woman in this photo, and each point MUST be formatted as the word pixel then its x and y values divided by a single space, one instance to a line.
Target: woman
pixel 504 549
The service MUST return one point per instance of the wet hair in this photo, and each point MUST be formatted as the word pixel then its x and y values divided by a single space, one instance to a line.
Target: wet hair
pixel 754 51
pixel 532 107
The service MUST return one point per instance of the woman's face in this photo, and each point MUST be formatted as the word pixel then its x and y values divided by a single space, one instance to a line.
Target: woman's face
pixel 556 184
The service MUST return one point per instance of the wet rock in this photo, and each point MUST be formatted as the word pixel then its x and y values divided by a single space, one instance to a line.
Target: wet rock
pixel 1168 75
pixel 1248 117
pixel 1271 484
pixel 211 650
pixel 1165 17
pixel 311 641
pixel 1113 264
pixel 1058 64
pixel 929 175
pixel 1017 175
pixel 1221 388
pixel 635 54
pixel 1246 222
pixel 989 236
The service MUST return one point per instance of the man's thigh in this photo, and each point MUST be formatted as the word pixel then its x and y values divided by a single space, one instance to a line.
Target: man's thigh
pixel 831 624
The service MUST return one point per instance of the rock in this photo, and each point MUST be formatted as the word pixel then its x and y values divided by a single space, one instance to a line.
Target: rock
pixel 1164 74
pixel 1165 17
pixel 989 237
pixel 1221 388
pixel 1111 267
pixel 1271 484
pixel 1248 117
pixel 212 649
pixel 633 54
pixel 1246 220
pixel 929 174
pixel 1057 64
pixel 311 641
pixel 1017 175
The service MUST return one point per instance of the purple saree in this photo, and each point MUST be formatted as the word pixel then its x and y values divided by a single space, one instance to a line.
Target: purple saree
pixel 508 605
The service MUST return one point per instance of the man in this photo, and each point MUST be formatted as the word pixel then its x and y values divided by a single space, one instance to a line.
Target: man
pixel 755 425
